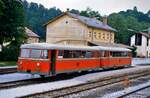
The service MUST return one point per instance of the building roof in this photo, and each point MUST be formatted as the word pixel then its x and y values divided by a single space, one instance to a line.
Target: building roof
pixel 111 45
pixel 91 22
pixel 30 33
pixel 144 34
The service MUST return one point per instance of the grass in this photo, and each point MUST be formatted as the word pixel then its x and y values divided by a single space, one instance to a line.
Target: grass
pixel 7 63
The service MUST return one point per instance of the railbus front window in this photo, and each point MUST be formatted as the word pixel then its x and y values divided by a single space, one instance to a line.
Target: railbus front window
pixel 25 53
pixel 35 53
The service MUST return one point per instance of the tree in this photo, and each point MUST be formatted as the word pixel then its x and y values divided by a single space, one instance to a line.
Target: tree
pixel 90 13
pixel 118 22
pixel 135 9
pixel 12 23
pixel 74 11
pixel 134 53
pixel 37 15
pixel 148 13
pixel 1 7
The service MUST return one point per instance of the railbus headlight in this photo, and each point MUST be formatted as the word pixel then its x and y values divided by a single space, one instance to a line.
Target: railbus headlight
pixel 38 64
pixel 20 62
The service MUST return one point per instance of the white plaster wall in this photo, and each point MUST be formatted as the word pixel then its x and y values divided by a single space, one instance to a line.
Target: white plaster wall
pixel 142 50
pixel 148 49
pixel 132 40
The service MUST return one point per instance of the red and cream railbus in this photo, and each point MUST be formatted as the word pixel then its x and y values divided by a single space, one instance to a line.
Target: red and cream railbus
pixel 50 59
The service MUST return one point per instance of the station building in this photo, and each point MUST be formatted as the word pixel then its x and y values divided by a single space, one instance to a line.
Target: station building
pixel 74 29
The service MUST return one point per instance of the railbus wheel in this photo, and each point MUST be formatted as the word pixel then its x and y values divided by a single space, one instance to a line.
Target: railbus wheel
pixel 42 76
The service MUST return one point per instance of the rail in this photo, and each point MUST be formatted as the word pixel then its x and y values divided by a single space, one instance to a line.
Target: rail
pixel 87 86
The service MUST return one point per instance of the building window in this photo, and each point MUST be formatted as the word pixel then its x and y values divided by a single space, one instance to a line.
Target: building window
pixel 99 35
pixel 90 34
pixel 138 39
pixel 111 36
pixel 95 34
pixel 103 35
pixel 107 36
pixel 147 42
pixel 66 22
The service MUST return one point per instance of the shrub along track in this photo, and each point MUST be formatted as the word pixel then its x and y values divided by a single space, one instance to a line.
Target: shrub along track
pixel 66 91
pixel 7 70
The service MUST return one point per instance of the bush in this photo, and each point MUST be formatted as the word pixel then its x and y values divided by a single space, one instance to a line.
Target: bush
pixel 9 53
pixel 134 53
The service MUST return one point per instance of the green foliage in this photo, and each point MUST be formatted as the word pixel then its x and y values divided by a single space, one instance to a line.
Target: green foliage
pixel 134 53
pixel 90 13
pixel 10 53
pixel 123 21
pixel 7 63
pixel 118 22
pixel 1 7
pixel 36 16
pixel 11 28
pixel 141 17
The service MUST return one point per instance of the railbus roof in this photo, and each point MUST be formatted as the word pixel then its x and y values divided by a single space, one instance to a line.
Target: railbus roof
pixel 57 46
pixel 113 48
pixel 71 47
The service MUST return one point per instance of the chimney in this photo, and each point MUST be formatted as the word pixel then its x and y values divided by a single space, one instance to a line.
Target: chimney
pixel 105 20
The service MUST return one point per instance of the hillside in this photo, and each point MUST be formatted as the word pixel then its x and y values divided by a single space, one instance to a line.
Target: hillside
pixel 36 15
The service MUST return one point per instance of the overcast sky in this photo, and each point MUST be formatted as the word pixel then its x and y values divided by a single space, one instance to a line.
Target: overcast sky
pixel 105 7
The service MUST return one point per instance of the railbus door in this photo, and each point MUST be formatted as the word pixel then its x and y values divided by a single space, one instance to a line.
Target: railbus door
pixel 53 61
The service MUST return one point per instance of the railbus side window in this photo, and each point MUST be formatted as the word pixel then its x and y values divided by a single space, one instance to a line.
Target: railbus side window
pixel 44 54
pixel 102 53
pixel 60 54
pixel 25 53
pixel 106 54
pixel 88 54
pixel 119 54
pixel 77 54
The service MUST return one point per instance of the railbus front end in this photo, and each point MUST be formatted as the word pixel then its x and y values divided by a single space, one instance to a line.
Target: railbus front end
pixel 35 61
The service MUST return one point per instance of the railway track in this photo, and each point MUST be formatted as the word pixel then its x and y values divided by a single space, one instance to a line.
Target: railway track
pixel 66 91
pixel 7 70
pixel 18 83
pixel 141 92
pixel 13 84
